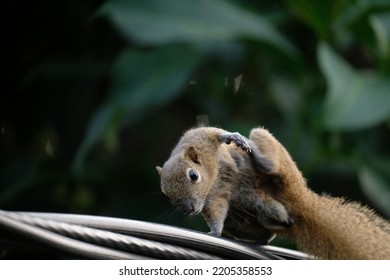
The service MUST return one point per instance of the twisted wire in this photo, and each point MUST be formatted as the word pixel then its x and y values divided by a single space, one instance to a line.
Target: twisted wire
pixel 63 243
pixel 113 240
pixel 227 249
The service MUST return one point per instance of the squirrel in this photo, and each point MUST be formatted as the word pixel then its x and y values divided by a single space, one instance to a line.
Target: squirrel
pixel 254 190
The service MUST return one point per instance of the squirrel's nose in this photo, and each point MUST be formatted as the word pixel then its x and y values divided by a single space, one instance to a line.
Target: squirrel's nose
pixel 187 206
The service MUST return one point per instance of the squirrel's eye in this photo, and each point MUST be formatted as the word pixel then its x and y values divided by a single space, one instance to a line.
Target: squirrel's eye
pixel 193 175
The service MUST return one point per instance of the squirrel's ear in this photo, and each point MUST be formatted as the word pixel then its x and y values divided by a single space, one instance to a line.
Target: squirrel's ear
pixel 193 154
pixel 159 170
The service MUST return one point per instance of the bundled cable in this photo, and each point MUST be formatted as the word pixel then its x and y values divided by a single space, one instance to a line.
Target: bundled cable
pixel 98 237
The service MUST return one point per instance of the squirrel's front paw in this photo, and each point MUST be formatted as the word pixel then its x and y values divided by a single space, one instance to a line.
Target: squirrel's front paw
pixel 237 138
pixel 214 233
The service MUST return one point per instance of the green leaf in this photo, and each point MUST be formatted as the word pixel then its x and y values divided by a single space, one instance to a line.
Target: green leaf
pixel 355 100
pixel 355 11
pixel 140 82
pixel 202 21
pixel 353 21
pixel 376 188
pixel 381 26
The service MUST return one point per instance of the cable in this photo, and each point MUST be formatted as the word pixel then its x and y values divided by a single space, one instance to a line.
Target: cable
pixel 112 239
pixel 228 249
pixel 63 243
pixel 115 238
pixel 287 253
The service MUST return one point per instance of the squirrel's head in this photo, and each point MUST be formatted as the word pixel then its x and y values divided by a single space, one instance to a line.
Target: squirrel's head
pixel 186 180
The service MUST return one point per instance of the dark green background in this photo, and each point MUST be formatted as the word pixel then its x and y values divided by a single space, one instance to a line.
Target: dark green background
pixel 94 94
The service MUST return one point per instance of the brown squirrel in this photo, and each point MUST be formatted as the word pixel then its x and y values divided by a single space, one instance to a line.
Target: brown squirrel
pixel 253 190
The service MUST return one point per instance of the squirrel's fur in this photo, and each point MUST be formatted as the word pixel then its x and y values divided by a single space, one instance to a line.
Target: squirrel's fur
pixel 253 189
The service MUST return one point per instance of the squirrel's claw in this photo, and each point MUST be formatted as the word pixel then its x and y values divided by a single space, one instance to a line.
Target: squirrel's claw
pixel 237 138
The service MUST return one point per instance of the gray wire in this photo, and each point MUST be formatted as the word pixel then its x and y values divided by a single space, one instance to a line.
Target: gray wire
pixel 111 239
pixel 134 239
pixel 222 247
pixel 63 243
pixel 287 253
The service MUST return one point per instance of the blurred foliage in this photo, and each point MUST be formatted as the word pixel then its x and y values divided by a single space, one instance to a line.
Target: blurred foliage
pixel 96 93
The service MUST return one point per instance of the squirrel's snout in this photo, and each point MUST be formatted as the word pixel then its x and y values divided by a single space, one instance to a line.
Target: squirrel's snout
pixel 190 206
